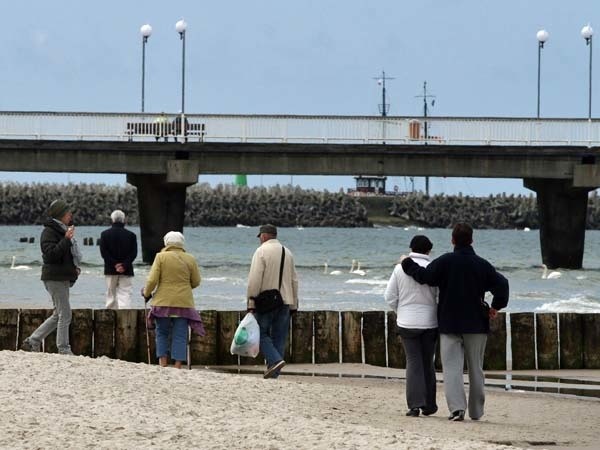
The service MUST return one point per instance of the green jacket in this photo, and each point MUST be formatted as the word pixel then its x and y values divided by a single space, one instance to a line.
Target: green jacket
pixel 56 254
pixel 172 277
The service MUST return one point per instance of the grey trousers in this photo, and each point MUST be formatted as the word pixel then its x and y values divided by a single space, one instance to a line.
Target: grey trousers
pixel 419 345
pixel 454 349
pixel 60 318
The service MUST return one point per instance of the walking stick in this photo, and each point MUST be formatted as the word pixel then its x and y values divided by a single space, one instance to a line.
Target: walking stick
pixel 146 324
pixel 189 349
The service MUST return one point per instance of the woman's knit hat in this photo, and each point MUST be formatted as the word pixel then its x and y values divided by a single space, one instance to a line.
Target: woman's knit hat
pixel 174 238
pixel 58 209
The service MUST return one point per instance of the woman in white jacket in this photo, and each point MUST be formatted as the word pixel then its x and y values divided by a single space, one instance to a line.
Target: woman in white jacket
pixel 416 309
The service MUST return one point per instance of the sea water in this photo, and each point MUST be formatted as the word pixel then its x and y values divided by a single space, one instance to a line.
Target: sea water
pixel 224 255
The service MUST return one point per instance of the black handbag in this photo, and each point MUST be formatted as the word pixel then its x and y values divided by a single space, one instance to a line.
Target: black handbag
pixel 270 299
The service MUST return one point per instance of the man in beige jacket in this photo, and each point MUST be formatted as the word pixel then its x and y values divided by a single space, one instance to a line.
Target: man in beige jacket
pixel 263 276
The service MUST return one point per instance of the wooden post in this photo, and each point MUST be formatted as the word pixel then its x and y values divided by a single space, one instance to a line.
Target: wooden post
pixel 374 337
pixel 81 332
pixel 591 341
pixel 29 320
pixel 104 333
pixel 396 354
pixel 204 348
pixel 126 335
pixel 144 341
pixel 547 341
pixel 302 337
pixel 227 324
pixel 495 348
pixel 522 341
pixel 571 340
pixel 8 329
pixel 327 338
pixel 351 337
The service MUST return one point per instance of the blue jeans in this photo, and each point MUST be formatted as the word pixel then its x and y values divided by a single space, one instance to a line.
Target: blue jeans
pixel 274 327
pixel 174 329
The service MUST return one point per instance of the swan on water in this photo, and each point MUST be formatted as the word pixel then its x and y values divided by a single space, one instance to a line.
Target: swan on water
pixel 550 275
pixel 333 272
pixel 358 270
pixel 13 267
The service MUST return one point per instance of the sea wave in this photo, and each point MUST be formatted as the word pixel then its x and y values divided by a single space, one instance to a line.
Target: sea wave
pixel 577 304
pixel 363 281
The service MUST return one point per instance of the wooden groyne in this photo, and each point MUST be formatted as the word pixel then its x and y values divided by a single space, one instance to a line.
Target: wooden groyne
pixel 542 341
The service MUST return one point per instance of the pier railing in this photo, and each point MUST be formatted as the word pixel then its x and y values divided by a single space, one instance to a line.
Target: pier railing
pixel 390 130
pixel 537 341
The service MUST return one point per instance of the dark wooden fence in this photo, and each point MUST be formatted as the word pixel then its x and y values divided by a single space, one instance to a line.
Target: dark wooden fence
pixel 544 341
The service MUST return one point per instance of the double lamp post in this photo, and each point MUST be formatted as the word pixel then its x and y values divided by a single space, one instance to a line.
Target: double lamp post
pixel 542 36
pixel 146 31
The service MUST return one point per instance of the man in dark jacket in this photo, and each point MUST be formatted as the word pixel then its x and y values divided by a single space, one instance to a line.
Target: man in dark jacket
pixel 61 258
pixel 118 247
pixel 463 278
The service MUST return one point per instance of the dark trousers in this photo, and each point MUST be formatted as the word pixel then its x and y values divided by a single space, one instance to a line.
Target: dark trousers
pixel 419 345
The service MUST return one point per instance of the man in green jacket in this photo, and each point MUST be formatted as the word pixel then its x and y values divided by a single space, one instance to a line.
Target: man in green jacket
pixel 61 258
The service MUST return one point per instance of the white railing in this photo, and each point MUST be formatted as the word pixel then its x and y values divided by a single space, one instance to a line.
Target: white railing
pixel 300 129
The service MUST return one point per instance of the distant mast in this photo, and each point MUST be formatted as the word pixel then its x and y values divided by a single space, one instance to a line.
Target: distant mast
pixel 426 96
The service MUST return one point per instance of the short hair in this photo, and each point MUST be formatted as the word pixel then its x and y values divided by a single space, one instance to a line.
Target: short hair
pixel 420 244
pixel 462 234
pixel 117 216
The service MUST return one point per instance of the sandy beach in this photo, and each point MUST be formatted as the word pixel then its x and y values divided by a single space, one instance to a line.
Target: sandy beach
pixel 52 401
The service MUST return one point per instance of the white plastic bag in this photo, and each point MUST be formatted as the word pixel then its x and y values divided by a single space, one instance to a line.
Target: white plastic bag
pixel 246 340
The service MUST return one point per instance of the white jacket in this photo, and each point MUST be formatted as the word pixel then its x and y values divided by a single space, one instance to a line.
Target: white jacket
pixel 264 273
pixel 415 304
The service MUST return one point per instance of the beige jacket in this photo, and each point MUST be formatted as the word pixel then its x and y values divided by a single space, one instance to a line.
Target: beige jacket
pixel 264 273
pixel 174 274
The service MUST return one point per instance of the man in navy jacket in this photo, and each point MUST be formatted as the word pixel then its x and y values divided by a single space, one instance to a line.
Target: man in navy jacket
pixel 118 247
pixel 463 278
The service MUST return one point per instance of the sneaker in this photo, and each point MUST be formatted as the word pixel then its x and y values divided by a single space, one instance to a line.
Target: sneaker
pixel 413 412
pixel 429 411
pixel 273 369
pixel 30 346
pixel 457 416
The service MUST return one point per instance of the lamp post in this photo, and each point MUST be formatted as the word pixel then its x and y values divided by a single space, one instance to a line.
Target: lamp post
pixel 587 32
pixel 180 27
pixel 146 31
pixel 542 37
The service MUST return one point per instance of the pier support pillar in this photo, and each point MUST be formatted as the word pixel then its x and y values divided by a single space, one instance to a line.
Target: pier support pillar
pixel 161 208
pixel 562 211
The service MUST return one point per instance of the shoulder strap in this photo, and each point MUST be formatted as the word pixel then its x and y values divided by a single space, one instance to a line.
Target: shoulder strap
pixel 281 266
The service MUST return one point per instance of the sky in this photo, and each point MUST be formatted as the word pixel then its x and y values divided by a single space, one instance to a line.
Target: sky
pixel 314 57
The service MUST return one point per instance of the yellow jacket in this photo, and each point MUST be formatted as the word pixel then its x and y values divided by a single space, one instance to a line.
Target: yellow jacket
pixel 172 277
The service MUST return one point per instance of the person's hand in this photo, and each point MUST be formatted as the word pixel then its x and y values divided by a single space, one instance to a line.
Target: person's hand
pixel 70 232
pixel 145 298
pixel 120 268
pixel 402 258
pixel 493 313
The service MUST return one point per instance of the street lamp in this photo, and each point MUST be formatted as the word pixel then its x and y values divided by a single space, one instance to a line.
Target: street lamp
pixel 542 37
pixel 146 31
pixel 180 27
pixel 587 32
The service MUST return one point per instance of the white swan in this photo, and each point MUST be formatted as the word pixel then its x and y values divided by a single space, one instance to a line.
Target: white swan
pixel 333 272
pixel 13 267
pixel 551 275
pixel 358 270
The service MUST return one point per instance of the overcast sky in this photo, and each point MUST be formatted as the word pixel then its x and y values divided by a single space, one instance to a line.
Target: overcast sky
pixel 309 57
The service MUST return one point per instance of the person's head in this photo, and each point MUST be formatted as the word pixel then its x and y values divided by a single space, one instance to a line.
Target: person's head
pixel 267 232
pixel 60 211
pixel 117 216
pixel 462 234
pixel 421 244
pixel 174 239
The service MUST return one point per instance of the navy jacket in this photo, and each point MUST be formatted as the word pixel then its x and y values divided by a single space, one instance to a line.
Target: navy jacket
pixel 118 245
pixel 463 279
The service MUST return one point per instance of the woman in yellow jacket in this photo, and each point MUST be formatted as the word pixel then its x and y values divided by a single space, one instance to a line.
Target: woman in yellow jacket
pixel 172 277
